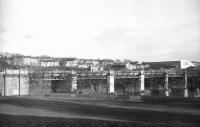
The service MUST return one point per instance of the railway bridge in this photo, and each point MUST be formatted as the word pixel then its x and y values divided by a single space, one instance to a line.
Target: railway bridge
pixel 110 77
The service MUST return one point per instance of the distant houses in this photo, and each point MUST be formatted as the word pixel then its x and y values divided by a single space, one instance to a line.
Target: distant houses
pixel 95 68
pixel 31 61
pixel 49 63
pixel 195 63
pixel 135 65
pixel 93 65
pixel 78 63
pixel 71 62
pixel 25 61
pixel 182 64
pixel 89 64
pixel 115 66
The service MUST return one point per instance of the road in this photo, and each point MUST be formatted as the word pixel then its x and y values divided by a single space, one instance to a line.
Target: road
pixel 167 113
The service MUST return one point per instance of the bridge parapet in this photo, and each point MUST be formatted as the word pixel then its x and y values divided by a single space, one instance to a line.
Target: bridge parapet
pixel 92 76
pixel 48 76
pixel 103 74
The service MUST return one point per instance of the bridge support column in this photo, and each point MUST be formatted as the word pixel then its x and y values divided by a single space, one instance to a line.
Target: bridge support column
pixel 74 82
pixel 19 83
pixel 4 85
pixel 166 84
pixel 198 92
pixel 141 81
pixel 185 84
pixel 110 82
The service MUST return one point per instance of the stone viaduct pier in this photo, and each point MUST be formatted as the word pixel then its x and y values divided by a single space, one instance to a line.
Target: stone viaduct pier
pixel 14 82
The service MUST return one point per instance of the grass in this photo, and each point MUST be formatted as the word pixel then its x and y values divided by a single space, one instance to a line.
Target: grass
pixel 87 112
pixel 36 121
pixel 195 100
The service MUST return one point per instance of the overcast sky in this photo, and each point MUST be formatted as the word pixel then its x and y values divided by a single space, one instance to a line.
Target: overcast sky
pixel 149 30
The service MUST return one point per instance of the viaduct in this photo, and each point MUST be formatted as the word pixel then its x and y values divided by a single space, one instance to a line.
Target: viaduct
pixel 17 82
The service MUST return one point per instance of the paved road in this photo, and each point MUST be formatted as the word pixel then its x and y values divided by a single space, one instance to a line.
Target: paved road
pixel 143 112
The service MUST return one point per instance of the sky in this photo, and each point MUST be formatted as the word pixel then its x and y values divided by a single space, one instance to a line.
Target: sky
pixel 148 30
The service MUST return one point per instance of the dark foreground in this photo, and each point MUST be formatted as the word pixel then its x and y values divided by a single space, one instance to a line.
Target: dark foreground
pixel 33 121
pixel 34 112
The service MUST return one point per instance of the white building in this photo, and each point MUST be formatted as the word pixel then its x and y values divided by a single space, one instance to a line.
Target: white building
pixel 95 68
pixel 31 61
pixel 185 64
pixel 49 63
pixel 71 62
pixel 182 64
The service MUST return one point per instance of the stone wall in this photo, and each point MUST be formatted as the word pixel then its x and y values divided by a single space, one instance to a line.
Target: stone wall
pixel 13 84
pixel 1 85
pixel 24 86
